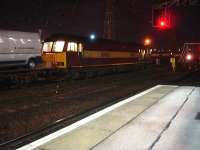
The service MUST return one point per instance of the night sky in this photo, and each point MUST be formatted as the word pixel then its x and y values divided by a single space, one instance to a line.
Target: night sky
pixel 132 19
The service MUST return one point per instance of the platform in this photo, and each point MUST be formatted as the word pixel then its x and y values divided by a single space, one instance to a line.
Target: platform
pixel 162 118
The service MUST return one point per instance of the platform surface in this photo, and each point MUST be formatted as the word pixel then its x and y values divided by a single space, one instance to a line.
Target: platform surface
pixel 162 118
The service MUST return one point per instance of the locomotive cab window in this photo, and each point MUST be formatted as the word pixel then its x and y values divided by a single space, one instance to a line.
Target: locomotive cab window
pixel 47 46
pixel 58 46
pixel 80 47
pixel 72 47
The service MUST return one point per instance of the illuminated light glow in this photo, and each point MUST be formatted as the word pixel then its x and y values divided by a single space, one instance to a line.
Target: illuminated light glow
pixel 162 23
pixel 79 123
pixel 189 57
pixel 164 18
pixel 92 36
pixel 11 38
pixel 72 46
pixel 47 46
pixel 147 41
pixel 80 47
pixel 58 46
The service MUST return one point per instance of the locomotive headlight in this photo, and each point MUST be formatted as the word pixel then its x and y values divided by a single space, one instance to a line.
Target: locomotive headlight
pixel 188 57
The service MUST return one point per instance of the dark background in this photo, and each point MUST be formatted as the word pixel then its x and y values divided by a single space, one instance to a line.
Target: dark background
pixel 132 20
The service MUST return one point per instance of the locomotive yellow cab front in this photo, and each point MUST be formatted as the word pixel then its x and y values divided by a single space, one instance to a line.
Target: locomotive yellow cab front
pixel 53 55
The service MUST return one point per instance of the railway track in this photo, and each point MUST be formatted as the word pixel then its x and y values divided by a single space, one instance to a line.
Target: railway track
pixel 54 126
pixel 190 74
pixel 22 76
pixel 50 128
pixel 70 118
pixel 16 76
pixel 19 77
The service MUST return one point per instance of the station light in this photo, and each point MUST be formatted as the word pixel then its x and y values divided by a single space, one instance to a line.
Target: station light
pixel 92 36
pixel 147 41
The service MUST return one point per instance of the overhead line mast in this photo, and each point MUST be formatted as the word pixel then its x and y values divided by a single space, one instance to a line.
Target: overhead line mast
pixel 108 20
pixel 171 3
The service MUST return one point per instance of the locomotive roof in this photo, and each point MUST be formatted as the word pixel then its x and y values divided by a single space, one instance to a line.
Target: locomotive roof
pixel 86 40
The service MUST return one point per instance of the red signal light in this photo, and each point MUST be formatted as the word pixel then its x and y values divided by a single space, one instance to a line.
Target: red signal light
pixel 162 23
pixel 161 18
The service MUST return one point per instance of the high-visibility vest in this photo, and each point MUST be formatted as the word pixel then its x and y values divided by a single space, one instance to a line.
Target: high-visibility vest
pixel 172 60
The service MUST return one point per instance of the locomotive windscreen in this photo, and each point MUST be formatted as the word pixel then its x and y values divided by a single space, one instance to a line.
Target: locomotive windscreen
pixel 47 46
pixel 57 46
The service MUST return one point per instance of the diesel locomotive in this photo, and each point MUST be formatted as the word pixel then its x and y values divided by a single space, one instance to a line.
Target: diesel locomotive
pixel 73 53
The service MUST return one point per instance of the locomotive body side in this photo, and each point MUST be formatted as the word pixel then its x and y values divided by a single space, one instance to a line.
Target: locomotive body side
pixel 105 54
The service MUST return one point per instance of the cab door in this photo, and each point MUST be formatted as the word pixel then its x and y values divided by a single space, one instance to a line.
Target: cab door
pixel 61 60
pixel 59 57
pixel 74 51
